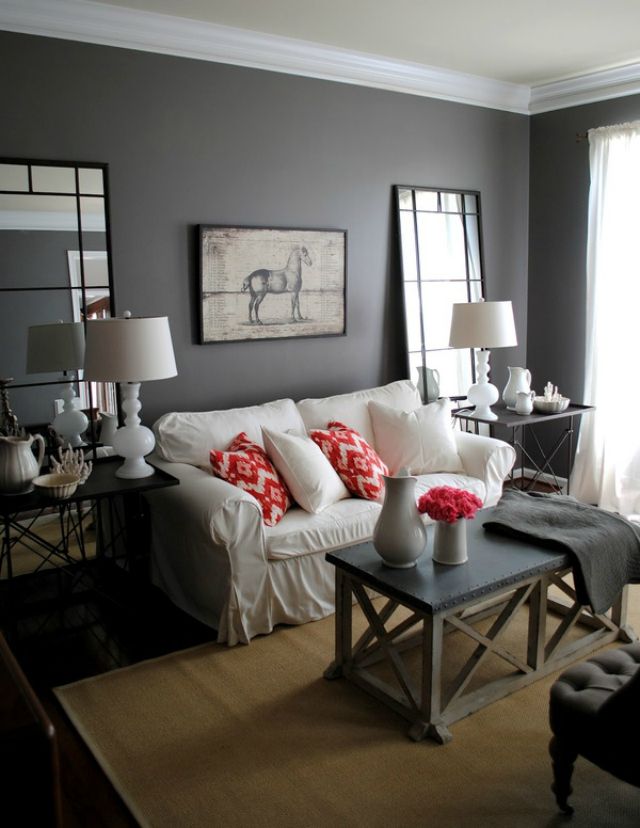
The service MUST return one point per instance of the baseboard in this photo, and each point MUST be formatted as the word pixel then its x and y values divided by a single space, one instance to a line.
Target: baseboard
pixel 544 477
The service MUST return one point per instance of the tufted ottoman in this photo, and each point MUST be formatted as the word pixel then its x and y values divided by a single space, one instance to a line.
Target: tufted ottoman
pixel 594 712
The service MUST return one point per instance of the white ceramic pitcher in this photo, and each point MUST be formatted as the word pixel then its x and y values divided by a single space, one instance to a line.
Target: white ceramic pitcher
pixel 428 383
pixel 524 402
pixel 108 428
pixel 519 380
pixel 18 465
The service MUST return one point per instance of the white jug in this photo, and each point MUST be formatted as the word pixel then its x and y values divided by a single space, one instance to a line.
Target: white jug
pixel 18 466
pixel 428 383
pixel 108 428
pixel 519 380
pixel 524 402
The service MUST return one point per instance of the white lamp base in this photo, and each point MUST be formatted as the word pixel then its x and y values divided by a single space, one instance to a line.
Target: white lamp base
pixel 133 441
pixel 134 468
pixel 70 423
pixel 483 394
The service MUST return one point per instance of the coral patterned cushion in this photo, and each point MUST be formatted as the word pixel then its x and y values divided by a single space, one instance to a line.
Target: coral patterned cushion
pixel 246 465
pixel 357 464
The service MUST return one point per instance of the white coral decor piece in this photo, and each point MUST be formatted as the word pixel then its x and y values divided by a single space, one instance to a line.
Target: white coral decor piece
pixel 72 462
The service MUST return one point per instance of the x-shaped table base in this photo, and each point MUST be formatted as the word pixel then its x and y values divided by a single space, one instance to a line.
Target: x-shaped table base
pixel 427 700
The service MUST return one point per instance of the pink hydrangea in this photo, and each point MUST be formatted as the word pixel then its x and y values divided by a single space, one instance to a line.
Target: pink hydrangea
pixel 449 504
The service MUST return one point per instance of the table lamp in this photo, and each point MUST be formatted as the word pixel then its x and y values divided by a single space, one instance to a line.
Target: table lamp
pixel 483 325
pixel 130 350
pixel 60 347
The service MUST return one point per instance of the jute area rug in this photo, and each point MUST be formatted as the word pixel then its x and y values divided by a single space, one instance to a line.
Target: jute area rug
pixel 254 736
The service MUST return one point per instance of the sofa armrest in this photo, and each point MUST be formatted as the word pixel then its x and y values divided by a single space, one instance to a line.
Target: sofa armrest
pixel 201 499
pixel 208 548
pixel 489 459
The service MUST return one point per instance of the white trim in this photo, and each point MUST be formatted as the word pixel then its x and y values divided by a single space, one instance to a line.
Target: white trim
pixel 127 28
pixel 95 22
pixel 543 477
pixel 587 88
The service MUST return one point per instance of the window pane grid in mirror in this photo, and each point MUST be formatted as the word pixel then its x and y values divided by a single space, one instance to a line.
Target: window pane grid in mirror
pixel 54 264
pixel 440 249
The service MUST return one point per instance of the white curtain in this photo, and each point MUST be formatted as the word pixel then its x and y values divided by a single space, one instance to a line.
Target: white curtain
pixel 607 467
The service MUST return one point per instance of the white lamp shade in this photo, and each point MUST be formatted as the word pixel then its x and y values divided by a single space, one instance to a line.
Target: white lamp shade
pixel 55 347
pixel 482 325
pixel 134 349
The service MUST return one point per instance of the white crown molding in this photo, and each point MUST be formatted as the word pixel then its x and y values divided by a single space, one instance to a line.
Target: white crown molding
pixel 100 23
pixel 103 24
pixel 587 88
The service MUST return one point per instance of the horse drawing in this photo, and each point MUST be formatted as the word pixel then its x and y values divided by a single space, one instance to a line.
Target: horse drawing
pixel 287 280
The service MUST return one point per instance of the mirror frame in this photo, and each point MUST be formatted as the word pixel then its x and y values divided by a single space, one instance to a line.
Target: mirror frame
pixel 78 195
pixel 424 350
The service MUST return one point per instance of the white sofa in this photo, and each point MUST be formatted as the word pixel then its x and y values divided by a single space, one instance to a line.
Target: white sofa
pixel 213 555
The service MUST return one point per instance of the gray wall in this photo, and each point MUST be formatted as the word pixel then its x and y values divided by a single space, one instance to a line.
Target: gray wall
pixel 193 142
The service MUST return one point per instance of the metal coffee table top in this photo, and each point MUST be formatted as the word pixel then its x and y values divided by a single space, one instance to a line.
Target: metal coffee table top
pixel 495 562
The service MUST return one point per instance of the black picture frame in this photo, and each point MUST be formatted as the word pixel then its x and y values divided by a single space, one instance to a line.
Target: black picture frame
pixel 265 283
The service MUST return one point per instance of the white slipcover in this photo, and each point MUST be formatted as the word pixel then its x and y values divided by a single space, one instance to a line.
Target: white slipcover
pixel 211 552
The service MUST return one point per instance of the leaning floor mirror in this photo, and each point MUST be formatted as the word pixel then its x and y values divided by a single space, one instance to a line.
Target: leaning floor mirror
pixel 440 242
pixel 55 266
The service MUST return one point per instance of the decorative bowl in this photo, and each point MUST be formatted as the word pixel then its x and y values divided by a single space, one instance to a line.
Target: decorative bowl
pixel 57 486
pixel 543 406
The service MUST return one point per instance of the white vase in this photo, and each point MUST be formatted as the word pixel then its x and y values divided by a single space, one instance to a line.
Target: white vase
pixel 519 380
pixel 400 536
pixel 450 542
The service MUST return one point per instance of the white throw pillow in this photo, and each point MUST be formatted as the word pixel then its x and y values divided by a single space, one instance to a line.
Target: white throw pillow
pixel 189 436
pixel 310 477
pixel 421 441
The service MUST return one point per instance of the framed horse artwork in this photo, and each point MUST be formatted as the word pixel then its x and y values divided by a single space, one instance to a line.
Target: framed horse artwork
pixel 271 283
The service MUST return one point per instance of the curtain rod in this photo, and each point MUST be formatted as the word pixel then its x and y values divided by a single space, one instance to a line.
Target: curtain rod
pixel 581 136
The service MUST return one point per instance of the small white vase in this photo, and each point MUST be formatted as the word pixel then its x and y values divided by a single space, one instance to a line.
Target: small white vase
pixel 450 542
pixel 400 536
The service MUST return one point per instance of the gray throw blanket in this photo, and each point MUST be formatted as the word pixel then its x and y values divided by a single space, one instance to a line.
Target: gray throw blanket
pixel 605 545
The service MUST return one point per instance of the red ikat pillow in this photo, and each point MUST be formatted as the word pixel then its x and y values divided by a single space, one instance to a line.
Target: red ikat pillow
pixel 358 465
pixel 245 464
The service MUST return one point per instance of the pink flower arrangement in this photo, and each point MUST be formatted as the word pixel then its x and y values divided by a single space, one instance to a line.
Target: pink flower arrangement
pixel 449 504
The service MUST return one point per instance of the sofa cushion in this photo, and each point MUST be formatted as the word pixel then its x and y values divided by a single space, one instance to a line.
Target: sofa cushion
pixel 188 437
pixel 421 441
pixel 341 524
pixel 359 467
pixel 346 522
pixel 351 409
pixel 245 464
pixel 310 477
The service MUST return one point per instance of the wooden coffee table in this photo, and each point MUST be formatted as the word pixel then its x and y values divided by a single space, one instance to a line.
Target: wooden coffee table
pixel 502 576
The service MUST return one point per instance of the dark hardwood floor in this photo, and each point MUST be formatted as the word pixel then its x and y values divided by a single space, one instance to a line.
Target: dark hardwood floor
pixel 123 619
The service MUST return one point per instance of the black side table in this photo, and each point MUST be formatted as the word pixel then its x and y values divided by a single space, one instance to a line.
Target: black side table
pixel 118 510
pixel 522 426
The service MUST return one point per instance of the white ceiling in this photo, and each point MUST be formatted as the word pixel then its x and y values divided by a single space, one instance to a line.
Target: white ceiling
pixel 515 55
pixel 520 41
